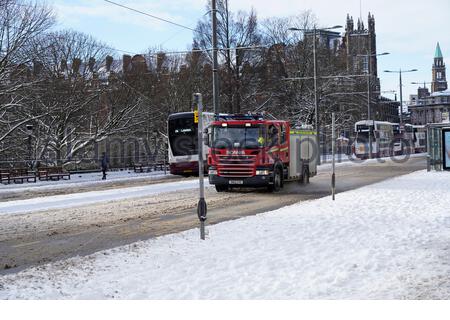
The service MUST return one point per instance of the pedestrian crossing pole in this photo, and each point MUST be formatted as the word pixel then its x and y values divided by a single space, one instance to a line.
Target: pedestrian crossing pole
pixel 333 147
pixel 201 207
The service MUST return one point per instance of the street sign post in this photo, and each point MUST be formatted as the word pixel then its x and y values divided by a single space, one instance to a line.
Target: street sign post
pixel 201 207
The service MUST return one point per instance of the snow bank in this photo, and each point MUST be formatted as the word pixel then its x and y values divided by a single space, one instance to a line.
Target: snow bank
pixel 388 240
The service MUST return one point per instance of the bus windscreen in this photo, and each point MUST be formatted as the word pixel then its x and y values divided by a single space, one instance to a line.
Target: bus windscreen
pixel 183 136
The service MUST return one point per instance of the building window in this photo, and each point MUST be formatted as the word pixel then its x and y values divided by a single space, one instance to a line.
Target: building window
pixel 366 65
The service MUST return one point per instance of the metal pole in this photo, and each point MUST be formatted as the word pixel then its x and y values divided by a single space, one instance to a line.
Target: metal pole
pixel 316 103
pixel 215 62
pixel 165 155
pixel 401 99
pixel 368 104
pixel 428 149
pixel 201 208
pixel 30 162
pixel 333 146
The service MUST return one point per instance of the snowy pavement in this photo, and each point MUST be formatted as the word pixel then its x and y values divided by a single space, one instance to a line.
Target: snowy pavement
pixel 390 240
pixel 87 198
pixel 353 161
pixel 82 180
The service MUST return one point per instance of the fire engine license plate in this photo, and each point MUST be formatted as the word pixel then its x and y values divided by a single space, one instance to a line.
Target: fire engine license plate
pixel 236 182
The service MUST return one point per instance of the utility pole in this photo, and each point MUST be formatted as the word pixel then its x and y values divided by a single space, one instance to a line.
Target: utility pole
pixel 238 79
pixel 316 102
pixel 215 62
pixel 401 99
pixel 401 89
pixel 201 207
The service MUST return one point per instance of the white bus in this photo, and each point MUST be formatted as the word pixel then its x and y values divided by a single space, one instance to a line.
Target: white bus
pixel 381 137
pixel 420 139
pixel 182 132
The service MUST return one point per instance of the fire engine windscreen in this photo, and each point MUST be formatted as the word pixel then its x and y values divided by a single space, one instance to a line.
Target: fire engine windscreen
pixel 232 137
pixel 183 136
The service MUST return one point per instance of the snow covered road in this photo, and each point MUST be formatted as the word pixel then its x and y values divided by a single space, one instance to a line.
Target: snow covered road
pixel 86 198
pixel 383 241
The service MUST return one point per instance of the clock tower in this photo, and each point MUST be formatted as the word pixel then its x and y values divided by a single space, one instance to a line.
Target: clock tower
pixel 439 78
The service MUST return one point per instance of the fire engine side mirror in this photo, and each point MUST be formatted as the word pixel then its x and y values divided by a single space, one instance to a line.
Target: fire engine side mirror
pixel 206 140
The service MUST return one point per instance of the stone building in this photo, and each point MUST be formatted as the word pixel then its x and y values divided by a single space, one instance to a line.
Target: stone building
pixel 359 49
pixel 432 107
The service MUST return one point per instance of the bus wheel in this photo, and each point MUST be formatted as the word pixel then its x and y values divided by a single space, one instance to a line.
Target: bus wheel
pixel 277 181
pixel 221 187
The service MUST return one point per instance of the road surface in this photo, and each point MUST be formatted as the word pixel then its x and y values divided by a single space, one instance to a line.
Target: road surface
pixel 35 238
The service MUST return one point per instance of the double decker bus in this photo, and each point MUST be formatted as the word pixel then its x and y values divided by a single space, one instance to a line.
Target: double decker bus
pixel 382 134
pixel 182 131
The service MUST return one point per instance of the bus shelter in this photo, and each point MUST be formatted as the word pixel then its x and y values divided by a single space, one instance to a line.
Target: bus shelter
pixel 438 146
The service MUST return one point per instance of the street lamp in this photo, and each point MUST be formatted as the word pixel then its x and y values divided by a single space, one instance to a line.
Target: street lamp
pixel 316 103
pixel 369 113
pixel 401 89
pixel 30 128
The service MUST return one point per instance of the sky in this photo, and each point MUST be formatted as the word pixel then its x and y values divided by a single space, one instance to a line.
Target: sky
pixel 407 29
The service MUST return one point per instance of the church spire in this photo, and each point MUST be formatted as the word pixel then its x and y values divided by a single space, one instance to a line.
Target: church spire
pixel 439 71
pixel 438 53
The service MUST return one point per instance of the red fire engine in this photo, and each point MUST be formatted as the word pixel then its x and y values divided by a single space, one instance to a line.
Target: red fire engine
pixel 251 151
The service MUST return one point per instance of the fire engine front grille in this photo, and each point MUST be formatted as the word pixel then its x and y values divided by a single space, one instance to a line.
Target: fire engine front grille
pixel 236 166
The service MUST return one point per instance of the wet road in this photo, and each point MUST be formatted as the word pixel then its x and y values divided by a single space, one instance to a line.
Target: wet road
pixel 39 237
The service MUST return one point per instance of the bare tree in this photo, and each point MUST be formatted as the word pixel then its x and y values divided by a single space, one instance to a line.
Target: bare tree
pixel 79 110
pixel 235 30
pixel 20 23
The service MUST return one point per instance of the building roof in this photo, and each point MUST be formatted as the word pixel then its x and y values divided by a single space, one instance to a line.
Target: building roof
pixel 441 93
pixel 438 53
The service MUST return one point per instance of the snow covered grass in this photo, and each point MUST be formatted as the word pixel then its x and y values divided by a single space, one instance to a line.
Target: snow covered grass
pixel 390 240
pixel 82 180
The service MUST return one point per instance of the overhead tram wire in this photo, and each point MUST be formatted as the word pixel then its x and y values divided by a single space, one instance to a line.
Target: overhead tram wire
pixel 149 15
pixel 178 25
pixel 184 51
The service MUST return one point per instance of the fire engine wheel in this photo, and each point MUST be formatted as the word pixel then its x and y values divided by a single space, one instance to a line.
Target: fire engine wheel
pixel 277 181
pixel 221 188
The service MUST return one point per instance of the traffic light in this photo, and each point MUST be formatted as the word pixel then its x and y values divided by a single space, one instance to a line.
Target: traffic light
pixel 196 116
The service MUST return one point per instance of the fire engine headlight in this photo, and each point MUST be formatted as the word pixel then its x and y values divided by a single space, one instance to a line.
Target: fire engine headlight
pixel 262 172
pixel 212 171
